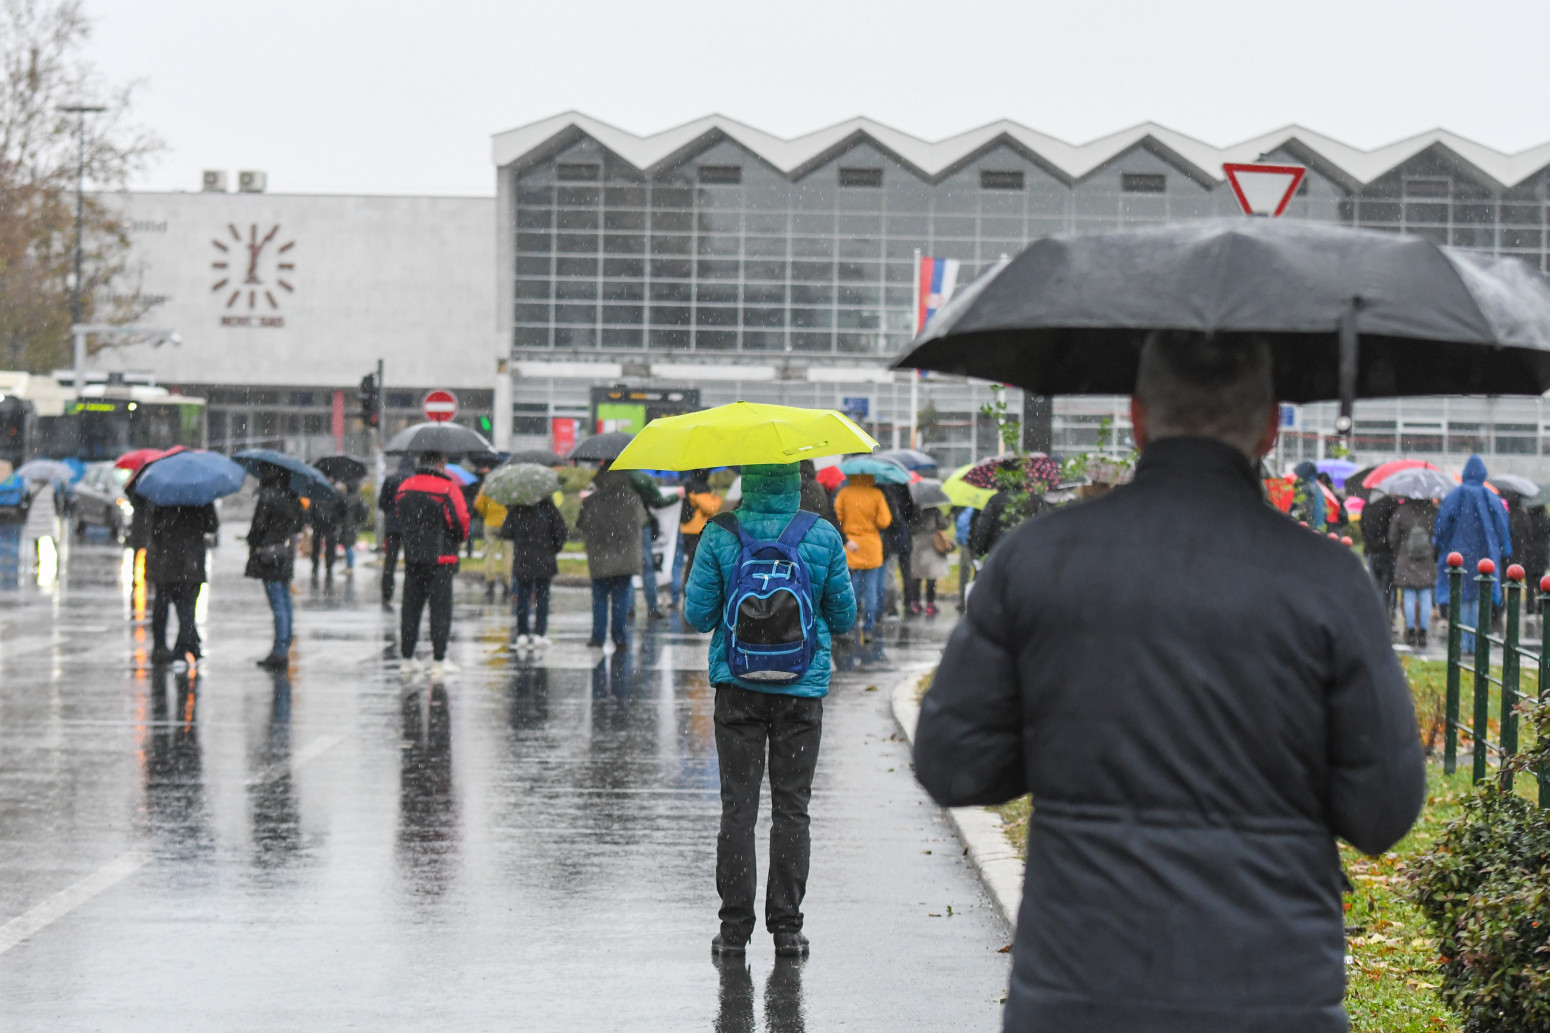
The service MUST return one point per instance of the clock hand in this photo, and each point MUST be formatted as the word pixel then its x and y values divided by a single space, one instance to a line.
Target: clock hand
pixel 255 248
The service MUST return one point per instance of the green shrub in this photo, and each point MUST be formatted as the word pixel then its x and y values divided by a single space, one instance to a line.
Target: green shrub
pixel 1486 891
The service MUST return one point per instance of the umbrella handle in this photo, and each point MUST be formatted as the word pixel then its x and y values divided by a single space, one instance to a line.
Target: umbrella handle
pixel 1348 366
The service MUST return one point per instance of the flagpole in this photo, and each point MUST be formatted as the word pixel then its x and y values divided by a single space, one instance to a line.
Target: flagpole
pixel 915 373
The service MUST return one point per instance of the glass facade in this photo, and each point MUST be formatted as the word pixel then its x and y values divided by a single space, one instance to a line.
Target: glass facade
pixel 716 256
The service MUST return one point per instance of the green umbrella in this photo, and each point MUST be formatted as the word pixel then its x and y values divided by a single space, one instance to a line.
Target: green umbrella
pixel 521 484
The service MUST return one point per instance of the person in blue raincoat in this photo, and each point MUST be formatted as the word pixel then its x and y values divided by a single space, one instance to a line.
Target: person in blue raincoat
pixel 786 719
pixel 1473 522
pixel 1311 506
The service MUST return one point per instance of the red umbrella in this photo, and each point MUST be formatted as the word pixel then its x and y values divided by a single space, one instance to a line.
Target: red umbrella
pixel 140 456
pixel 1381 472
pixel 831 477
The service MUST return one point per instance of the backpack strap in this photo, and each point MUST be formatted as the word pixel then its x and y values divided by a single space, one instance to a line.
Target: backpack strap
pixel 728 522
pixel 795 531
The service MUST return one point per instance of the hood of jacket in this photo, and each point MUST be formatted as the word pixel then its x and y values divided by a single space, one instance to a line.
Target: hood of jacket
pixel 1475 472
pixel 862 480
pixel 1305 470
pixel 613 482
pixel 772 488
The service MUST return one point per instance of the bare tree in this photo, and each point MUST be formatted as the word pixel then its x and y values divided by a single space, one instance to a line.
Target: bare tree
pixel 43 68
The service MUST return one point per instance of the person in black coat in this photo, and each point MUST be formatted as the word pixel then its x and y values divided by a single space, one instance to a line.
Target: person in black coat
pixel 897 543
pixel 1200 695
pixel 326 515
pixel 1374 523
pixel 277 519
pixel 175 565
pixel 1001 515
pixel 537 534
pixel 1536 552
pixel 815 499
pixel 390 533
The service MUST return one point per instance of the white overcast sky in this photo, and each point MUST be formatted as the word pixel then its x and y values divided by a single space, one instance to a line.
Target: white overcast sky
pixel 402 96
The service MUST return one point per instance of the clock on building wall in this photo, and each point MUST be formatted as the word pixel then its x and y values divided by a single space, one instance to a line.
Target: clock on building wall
pixel 253 273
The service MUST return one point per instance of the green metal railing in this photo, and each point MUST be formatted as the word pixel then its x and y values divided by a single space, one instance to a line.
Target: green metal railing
pixel 1513 657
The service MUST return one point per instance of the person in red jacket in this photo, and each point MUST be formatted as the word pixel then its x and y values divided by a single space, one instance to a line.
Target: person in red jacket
pixel 433 523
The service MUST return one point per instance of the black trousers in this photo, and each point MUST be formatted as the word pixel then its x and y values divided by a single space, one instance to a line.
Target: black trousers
pixel 426 582
pixel 390 546
pixel 323 545
pixel 791 727
pixel 181 595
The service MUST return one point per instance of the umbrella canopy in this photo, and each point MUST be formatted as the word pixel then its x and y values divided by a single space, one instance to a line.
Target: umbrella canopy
pixel 990 473
pixel 538 457
pixel 1386 470
pixel 342 468
pixel 1353 483
pixel 1069 314
pixel 521 484
pixel 927 492
pixel 742 434
pixel 961 493
pixel 600 447
pixel 189 479
pixel 831 477
pixel 1338 470
pixel 305 480
pixel 1418 482
pixel 450 439
pixel 465 476
pixel 1506 483
pixel 910 458
pixel 44 471
pixel 132 461
pixel 884 471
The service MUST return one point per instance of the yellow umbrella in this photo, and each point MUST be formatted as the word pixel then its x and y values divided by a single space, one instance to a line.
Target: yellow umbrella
pixel 742 434
pixel 961 493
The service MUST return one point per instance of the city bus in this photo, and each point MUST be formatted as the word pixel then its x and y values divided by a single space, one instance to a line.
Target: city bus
pixel 41 416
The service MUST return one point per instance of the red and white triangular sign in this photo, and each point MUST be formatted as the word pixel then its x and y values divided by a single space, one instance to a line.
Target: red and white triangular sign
pixel 1264 189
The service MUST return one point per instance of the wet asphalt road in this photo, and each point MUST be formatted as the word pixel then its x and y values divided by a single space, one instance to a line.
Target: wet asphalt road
pixel 525 846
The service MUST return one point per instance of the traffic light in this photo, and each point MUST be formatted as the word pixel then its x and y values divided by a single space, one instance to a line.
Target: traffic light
pixel 371 400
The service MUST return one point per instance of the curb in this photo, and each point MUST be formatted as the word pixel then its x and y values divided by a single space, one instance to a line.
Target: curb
pixel 979 829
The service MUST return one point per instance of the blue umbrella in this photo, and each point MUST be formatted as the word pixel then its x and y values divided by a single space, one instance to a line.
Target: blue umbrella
pixel 884 471
pixel 305 480
pixel 461 474
pixel 189 479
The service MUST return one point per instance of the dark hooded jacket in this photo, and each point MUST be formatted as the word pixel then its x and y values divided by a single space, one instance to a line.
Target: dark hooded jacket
pixel 175 552
pixel 537 534
pixel 814 498
pixel 896 536
pixel 432 517
pixel 387 497
pixel 277 518
pixel 1192 754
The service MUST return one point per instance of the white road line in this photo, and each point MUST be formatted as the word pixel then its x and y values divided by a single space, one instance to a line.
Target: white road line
pixel 310 752
pixel 126 864
pixel 66 901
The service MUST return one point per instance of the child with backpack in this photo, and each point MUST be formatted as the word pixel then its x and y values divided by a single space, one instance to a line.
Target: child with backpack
pixel 1415 565
pixel 771 584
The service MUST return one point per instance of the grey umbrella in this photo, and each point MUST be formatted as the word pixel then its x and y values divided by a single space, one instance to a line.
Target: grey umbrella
pixel 927 492
pixel 1512 484
pixel 1348 313
pixel 601 446
pixel 1418 482
pixel 537 456
pixel 449 439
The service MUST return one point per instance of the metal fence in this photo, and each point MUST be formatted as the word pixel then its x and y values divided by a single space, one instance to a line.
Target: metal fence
pixel 1514 655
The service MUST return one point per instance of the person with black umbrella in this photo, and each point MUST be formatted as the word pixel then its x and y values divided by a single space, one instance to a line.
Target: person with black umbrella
pixel 277 519
pixel 1381 559
pixel 390 534
pixel 1201 696
pixel 433 519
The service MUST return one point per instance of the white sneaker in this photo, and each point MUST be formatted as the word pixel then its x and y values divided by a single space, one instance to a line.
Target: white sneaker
pixel 523 641
pixel 541 642
pixel 409 665
pixel 441 667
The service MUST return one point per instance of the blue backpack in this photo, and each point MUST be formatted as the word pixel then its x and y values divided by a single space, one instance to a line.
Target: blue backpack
pixel 771 632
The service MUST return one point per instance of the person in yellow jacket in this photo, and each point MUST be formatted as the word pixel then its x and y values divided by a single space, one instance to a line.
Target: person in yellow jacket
pixel 863 512
pixel 497 550
pixel 700 504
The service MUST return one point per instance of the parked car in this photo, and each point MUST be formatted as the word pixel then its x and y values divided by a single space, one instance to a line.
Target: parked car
pixel 100 501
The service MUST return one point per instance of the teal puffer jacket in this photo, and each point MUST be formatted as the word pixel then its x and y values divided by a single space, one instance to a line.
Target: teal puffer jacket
pixel 771 497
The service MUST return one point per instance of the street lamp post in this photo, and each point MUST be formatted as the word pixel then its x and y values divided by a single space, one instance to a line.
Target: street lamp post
pixel 79 331
pixel 80 111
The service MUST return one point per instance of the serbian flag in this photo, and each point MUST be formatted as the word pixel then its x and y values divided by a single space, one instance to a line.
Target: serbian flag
pixel 938 278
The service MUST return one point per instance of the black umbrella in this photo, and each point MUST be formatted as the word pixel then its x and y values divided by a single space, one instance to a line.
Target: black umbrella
pixel 911 458
pixel 345 469
pixel 1069 314
pixel 536 456
pixel 601 446
pixel 449 439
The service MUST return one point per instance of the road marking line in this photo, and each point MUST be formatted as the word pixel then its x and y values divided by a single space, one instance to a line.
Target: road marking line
pixel 310 752
pixel 126 864
pixel 66 901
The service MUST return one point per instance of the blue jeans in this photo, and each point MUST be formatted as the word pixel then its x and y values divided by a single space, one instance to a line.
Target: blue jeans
pixel 648 572
pixel 534 594
pixel 349 557
pixel 1413 598
pixel 610 593
pixel 868 586
pixel 279 593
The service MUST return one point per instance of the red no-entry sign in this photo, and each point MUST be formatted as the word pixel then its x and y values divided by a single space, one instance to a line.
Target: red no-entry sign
pixel 439 405
pixel 1263 189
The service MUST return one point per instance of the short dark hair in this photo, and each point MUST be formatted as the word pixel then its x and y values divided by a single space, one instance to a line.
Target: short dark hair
pixel 430 458
pixel 1198 385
